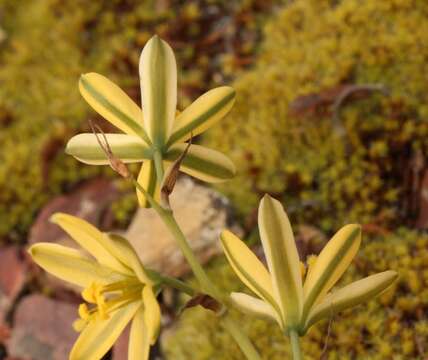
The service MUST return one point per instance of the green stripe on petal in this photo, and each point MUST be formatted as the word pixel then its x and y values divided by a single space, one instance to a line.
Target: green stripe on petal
pixel 128 148
pixel 351 295
pixel 125 253
pixel 100 335
pixel 70 265
pixel 203 163
pixel 139 338
pixel 148 180
pixel 253 306
pixel 158 79
pixel 248 267
pixel 112 103
pixel 202 113
pixel 331 263
pixel 282 258
pixel 90 239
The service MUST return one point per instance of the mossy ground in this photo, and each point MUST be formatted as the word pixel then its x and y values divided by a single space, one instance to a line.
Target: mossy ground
pixel 282 132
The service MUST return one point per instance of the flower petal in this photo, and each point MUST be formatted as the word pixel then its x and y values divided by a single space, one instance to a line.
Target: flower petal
pixel 112 103
pixel 158 78
pixel 247 266
pixel 148 180
pixel 202 113
pixel 351 295
pixel 70 265
pixel 128 148
pixel 91 239
pixel 125 253
pixel 139 340
pixel 99 335
pixel 331 263
pixel 282 258
pixel 152 313
pixel 203 163
pixel 253 306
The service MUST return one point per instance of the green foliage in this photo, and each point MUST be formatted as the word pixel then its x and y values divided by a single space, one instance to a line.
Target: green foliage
pixel 282 133
pixel 393 326
pixel 46 44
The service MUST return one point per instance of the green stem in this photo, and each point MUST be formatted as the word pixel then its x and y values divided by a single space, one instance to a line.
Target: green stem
pixel 244 343
pixel 295 346
pixel 172 282
pixel 203 279
pixel 157 157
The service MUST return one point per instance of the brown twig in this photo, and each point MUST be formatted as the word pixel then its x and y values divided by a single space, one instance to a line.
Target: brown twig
pixel 345 93
pixel 170 178
pixel 115 163
pixel 324 350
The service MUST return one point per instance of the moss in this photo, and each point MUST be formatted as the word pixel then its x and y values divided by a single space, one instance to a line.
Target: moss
pixel 282 134
pixel 47 44
pixel 391 326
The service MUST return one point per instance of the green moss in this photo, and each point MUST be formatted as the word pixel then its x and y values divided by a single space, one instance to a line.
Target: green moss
pixel 281 132
pixel 391 326
pixel 47 44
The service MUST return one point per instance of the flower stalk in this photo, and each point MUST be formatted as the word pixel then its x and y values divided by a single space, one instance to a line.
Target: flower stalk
pixel 295 345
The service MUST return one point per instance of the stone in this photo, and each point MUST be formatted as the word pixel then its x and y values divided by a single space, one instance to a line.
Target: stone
pixel 13 269
pixel 120 349
pixel 201 212
pixel 42 329
pixel 89 201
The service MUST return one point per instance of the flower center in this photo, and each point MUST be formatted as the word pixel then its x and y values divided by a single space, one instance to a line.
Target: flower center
pixel 101 300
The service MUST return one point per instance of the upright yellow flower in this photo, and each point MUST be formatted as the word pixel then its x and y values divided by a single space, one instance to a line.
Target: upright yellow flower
pixel 116 289
pixel 155 133
pixel 284 297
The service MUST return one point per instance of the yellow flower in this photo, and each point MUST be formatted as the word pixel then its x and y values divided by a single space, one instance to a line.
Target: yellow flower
pixel 296 303
pixel 116 289
pixel 157 128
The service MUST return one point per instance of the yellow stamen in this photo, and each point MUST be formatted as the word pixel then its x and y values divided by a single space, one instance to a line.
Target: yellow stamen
pixel 79 325
pixel 84 312
pixel 107 298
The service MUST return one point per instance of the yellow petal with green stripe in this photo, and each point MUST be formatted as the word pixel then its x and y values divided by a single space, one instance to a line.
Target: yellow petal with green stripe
pixel 158 79
pixel 112 103
pixel 247 266
pixel 203 163
pixel 139 339
pixel 70 265
pixel 152 313
pixel 202 113
pixel 331 263
pixel 122 250
pixel 351 295
pixel 148 180
pixel 282 258
pixel 256 307
pixel 90 239
pixel 100 335
pixel 128 148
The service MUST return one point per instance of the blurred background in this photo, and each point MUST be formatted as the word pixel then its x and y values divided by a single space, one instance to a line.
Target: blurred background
pixel 331 118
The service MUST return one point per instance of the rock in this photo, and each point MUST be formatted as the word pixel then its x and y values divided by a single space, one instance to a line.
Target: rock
pixel 120 349
pixel 89 201
pixel 13 268
pixel 202 214
pixel 42 329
